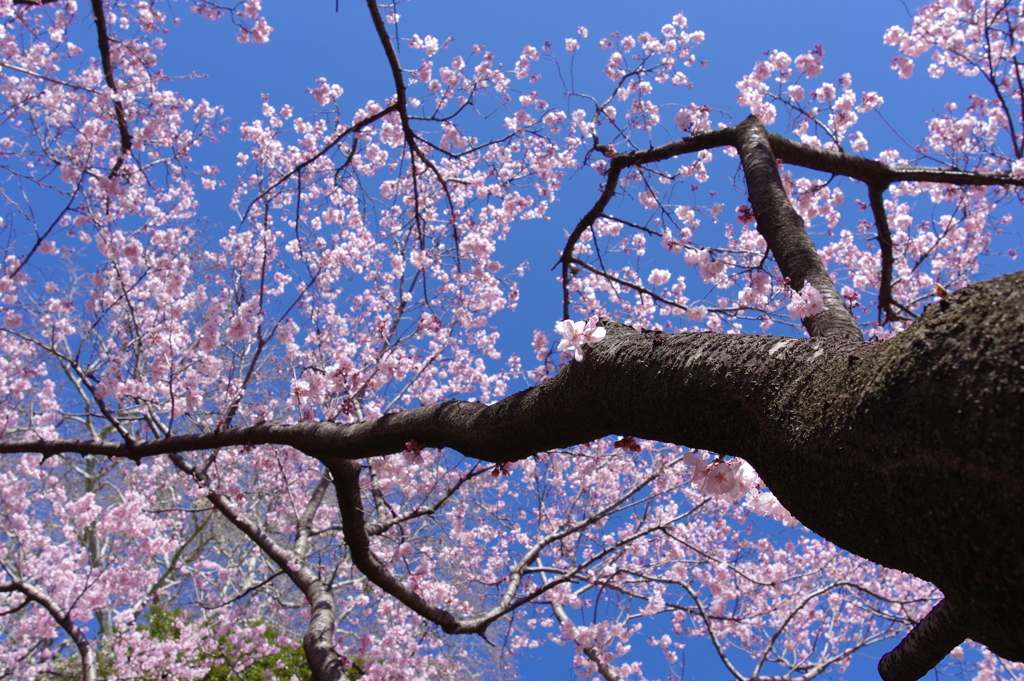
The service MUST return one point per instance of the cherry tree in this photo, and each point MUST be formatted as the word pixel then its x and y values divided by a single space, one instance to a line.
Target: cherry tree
pixel 297 430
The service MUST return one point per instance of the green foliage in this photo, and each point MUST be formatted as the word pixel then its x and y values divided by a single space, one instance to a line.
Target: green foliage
pixel 280 666
pixel 286 663
pixel 160 623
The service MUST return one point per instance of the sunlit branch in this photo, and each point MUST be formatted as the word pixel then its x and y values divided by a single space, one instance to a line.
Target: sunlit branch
pixel 784 231
pixel 318 641
pixel 304 526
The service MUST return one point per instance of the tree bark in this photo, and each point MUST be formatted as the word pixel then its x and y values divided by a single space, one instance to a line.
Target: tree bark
pixel 786 234
pixel 906 452
pixel 924 647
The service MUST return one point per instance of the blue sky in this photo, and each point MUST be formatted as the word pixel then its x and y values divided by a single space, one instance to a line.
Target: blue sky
pixel 311 40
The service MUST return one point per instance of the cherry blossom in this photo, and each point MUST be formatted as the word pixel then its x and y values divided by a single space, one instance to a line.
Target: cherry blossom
pixel 765 504
pixel 806 302
pixel 365 273
pixel 729 480
pixel 575 335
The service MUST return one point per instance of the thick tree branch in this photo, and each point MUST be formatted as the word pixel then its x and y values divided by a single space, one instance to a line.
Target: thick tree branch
pixel 777 221
pixel 357 538
pixel 872 172
pixel 62 618
pixel 880 447
pixel 784 231
pixel 879 176
pixel 353 523
pixel 886 301
pixel 924 647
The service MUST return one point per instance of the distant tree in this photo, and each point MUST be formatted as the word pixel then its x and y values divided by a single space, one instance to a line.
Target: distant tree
pixel 259 423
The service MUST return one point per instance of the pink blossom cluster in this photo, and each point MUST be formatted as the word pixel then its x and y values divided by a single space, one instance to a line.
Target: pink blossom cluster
pixel 807 302
pixel 365 274
pixel 576 335
pixel 765 504
pixel 968 39
pixel 730 480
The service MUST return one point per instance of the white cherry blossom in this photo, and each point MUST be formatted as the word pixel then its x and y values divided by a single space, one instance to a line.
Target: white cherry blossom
pixel 577 334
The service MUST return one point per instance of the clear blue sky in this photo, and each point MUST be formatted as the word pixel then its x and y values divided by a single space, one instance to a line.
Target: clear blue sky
pixel 311 40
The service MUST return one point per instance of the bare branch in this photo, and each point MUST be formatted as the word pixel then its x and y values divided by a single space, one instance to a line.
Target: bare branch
pixel 875 172
pixel 619 162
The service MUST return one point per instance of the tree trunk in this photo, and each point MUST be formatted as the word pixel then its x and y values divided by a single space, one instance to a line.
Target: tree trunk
pixel 907 452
